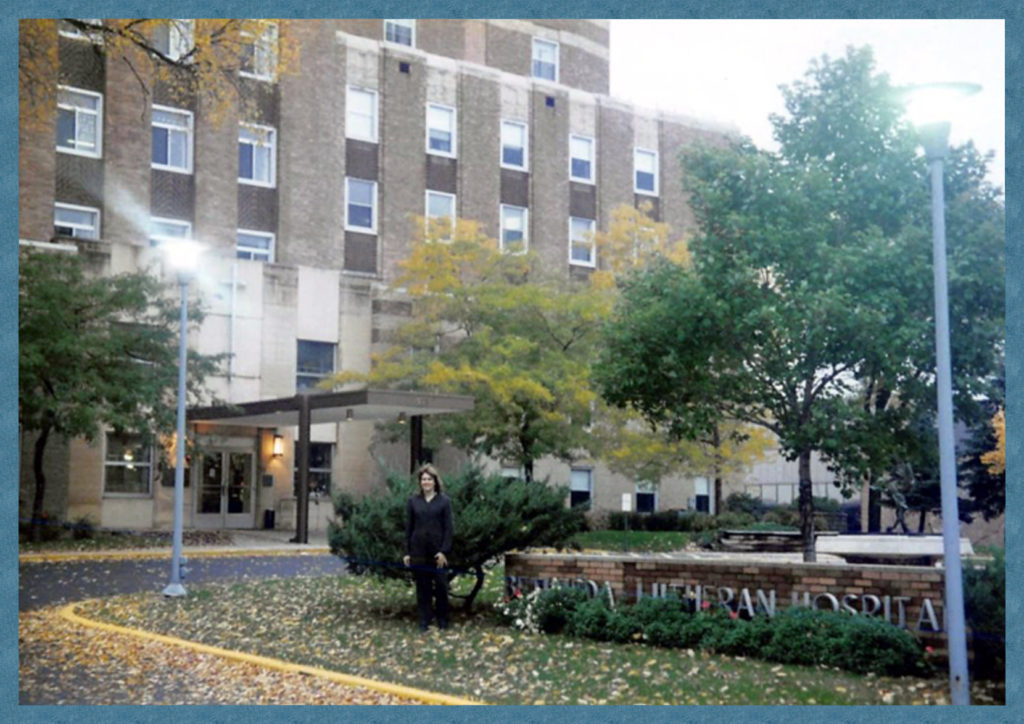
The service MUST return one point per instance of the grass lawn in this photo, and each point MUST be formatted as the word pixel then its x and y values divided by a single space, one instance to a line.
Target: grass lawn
pixel 107 540
pixel 637 541
pixel 361 626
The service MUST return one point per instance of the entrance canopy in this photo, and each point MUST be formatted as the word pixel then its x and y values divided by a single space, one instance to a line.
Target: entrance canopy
pixel 377 405
pixel 310 408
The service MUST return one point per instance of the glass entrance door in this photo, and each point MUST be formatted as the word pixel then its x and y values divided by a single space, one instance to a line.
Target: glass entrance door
pixel 225 490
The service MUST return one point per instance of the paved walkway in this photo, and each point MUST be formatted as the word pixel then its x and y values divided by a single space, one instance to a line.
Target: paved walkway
pixel 65 659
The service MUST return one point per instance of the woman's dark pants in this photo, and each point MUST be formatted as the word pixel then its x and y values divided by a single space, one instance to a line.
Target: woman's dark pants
pixel 431 583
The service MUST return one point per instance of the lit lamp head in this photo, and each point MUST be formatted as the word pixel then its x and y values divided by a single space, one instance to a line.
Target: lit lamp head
pixel 932 108
pixel 182 256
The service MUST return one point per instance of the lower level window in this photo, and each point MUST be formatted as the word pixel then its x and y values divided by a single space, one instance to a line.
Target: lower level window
pixel 127 465
pixel 646 498
pixel 581 241
pixel 320 456
pixel 80 222
pixel 581 483
pixel 256 245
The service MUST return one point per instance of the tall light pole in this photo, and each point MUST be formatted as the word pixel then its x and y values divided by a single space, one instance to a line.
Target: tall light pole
pixel 182 255
pixel 929 106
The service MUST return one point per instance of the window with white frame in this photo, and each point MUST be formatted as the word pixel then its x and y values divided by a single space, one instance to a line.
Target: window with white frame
pixel 514 145
pixel 582 249
pixel 441 130
pixel 545 59
pixel 581 487
pixel 314 362
pixel 259 53
pixel 360 205
pixel 645 171
pixel 172 139
pixel 255 245
pixel 80 222
pixel 646 497
pixel 441 206
pixel 127 465
pixel 164 230
pixel 257 154
pixel 175 38
pixel 79 121
pixel 514 227
pixel 581 158
pixel 361 114
pixel 402 32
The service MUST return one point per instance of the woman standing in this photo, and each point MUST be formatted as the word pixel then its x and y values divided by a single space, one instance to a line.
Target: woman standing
pixel 428 541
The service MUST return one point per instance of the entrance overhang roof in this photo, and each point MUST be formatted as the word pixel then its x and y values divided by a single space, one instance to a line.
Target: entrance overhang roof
pixel 377 405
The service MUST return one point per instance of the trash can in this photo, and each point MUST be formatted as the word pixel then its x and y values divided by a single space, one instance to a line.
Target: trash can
pixel 268 519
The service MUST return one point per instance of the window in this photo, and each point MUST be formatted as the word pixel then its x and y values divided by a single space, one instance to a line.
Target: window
pixel 514 225
pixel 161 230
pixel 645 172
pixel 172 139
pixel 511 474
pixel 80 222
pixel 646 497
pixel 514 145
pixel 581 483
pixel 175 38
pixel 361 205
pixel 70 31
pixel 259 53
pixel 315 361
pixel 402 32
pixel 440 130
pixel 441 206
pixel 320 456
pixel 127 465
pixel 79 121
pixel 702 496
pixel 257 153
pixel 361 114
pixel 581 241
pixel 255 245
pixel 545 59
pixel 581 158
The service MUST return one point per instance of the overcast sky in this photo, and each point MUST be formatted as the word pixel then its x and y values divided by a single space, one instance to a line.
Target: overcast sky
pixel 730 70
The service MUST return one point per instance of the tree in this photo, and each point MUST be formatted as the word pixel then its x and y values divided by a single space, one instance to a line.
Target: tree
pixel 493 515
pixel 94 353
pixel 995 459
pixel 495 326
pixel 806 308
pixel 208 66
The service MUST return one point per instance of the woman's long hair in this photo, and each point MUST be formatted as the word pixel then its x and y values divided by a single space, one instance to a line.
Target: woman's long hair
pixel 432 472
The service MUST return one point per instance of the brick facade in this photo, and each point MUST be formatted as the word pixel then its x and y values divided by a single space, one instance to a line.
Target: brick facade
pixel 899 593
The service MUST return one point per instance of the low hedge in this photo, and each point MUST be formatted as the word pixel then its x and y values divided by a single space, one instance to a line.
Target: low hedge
pixel 794 635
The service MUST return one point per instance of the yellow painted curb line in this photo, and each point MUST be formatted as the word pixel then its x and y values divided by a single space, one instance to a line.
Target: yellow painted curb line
pixel 407 692
pixel 187 553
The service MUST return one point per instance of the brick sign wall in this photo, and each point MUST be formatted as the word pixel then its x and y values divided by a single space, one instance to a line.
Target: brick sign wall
pixel 907 596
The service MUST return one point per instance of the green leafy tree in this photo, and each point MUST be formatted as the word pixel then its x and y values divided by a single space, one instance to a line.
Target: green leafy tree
pixel 805 310
pixel 95 352
pixel 493 515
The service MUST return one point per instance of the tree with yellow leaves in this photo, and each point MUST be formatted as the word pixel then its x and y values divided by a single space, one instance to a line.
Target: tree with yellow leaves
pixel 499 327
pixel 996 459
pixel 212 58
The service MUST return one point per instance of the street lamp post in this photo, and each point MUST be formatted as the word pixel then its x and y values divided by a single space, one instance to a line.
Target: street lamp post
pixel 182 255
pixel 934 135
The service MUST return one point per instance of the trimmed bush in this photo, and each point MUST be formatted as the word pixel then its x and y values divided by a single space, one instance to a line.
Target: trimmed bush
pixel 793 636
